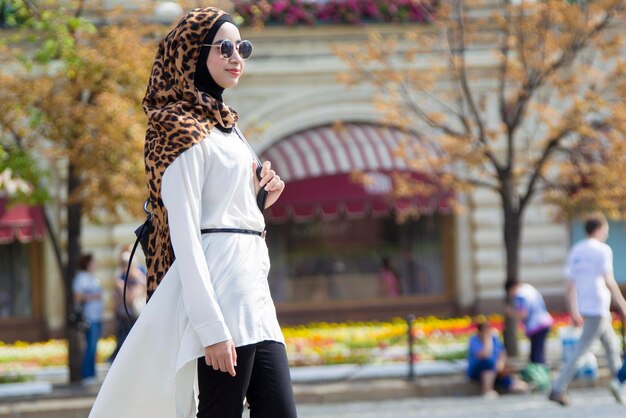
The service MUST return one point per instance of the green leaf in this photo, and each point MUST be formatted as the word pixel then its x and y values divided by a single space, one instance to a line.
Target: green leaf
pixel 74 23
pixel 35 118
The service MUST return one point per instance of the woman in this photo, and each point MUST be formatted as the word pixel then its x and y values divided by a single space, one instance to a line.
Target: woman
pixel 88 295
pixel 211 315
pixel 388 281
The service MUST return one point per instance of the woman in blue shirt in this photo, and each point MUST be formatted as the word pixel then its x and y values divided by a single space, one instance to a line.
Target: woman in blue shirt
pixel 88 294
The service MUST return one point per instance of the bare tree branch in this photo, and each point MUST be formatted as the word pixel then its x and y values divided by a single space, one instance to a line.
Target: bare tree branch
pixel 534 82
pixel 539 165
pixel 484 184
pixel 469 97
pixel 461 114
pixel 416 108
pixel 504 50
pixel 521 35
pixel 461 79
pixel 436 99
pixel 551 187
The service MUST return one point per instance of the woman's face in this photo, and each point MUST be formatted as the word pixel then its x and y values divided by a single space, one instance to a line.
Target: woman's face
pixel 225 71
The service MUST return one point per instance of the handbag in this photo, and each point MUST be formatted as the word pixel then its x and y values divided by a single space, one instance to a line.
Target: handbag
pixel 77 319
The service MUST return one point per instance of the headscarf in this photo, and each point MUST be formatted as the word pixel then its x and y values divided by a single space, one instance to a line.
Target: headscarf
pixel 203 79
pixel 179 116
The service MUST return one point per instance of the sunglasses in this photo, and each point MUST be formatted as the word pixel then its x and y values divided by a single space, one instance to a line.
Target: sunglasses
pixel 227 48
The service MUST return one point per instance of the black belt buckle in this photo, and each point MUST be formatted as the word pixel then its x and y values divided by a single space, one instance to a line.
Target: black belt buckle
pixel 264 233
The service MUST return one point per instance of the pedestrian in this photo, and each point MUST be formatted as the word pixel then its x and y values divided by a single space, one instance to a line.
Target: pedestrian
pixel 388 280
pixel 211 320
pixel 486 362
pixel 529 307
pixel 88 296
pixel 135 297
pixel 589 272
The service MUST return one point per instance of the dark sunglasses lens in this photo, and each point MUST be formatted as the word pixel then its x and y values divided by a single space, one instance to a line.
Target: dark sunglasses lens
pixel 245 49
pixel 227 48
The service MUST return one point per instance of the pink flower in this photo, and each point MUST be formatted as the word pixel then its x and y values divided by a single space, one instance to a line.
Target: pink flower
pixel 279 6
pixel 291 12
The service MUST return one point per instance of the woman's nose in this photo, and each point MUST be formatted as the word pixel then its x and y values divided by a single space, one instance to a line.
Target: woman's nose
pixel 236 58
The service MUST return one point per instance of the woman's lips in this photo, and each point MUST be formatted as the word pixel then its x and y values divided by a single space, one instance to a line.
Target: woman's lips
pixel 235 73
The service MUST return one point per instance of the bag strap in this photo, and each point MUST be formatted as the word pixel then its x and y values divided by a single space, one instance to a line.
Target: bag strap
pixel 130 263
pixel 262 195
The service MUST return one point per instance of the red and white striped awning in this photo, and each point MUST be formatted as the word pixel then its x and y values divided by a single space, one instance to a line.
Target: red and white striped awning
pixel 316 165
pixel 329 150
pixel 20 222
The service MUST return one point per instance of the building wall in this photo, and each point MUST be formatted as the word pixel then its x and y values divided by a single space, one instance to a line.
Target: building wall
pixel 297 88
pixel 543 251
pixel 290 85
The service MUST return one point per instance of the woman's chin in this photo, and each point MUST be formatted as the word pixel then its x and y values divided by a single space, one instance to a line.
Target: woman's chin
pixel 229 83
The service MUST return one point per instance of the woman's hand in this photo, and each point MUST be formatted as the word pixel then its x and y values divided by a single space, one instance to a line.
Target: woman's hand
pixel 222 356
pixel 270 181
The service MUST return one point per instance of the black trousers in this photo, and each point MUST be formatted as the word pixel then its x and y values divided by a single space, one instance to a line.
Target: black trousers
pixel 262 377
pixel 537 346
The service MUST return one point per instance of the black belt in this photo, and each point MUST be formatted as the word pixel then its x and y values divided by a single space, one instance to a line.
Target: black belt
pixel 233 231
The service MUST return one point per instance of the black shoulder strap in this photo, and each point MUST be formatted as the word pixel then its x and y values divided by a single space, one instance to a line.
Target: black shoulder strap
pixel 262 195
pixel 130 263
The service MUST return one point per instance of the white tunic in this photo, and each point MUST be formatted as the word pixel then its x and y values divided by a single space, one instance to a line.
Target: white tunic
pixel 216 288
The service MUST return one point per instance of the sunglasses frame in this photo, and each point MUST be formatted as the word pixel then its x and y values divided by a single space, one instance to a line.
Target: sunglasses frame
pixel 235 47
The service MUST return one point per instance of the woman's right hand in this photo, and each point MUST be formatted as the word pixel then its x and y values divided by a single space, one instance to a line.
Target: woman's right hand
pixel 222 356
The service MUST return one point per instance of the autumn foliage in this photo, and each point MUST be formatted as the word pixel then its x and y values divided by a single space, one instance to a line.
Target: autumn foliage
pixel 76 99
pixel 525 99
pixel 72 80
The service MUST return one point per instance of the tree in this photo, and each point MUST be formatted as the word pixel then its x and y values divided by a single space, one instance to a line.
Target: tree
pixel 71 85
pixel 557 76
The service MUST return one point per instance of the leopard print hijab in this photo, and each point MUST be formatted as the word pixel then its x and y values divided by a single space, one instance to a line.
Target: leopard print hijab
pixel 179 116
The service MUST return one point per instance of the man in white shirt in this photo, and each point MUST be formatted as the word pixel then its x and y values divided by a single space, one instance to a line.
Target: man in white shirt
pixel 591 284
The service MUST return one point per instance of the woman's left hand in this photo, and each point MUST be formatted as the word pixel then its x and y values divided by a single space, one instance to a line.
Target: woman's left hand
pixel 270 181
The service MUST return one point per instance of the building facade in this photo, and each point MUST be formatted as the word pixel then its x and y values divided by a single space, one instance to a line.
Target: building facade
pixel 329 236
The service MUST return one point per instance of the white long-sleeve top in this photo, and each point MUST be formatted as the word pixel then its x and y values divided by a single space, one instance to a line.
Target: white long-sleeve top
pixel 216 288
pixel 223 275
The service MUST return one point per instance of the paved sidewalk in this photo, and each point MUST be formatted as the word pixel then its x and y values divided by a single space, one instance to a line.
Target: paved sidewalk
pixel 328 384
pixel 316 384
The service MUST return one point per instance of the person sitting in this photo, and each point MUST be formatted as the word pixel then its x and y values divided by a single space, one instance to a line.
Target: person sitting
pixel 486 360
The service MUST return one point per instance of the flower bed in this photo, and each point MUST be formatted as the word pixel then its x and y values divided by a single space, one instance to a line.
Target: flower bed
pixel 353 12
pixel 371 342
pixel 312 344
pixel 24 356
